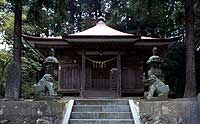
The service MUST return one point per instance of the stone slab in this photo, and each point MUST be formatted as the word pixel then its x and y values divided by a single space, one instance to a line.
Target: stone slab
pixel 12 90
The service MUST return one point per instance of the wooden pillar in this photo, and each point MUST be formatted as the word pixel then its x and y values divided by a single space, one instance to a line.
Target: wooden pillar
pixel 119 76
pixel 83 79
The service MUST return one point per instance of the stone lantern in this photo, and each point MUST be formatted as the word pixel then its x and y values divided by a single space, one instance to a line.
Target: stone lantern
pixel 155 78
pixel 51 64
pixel 155 63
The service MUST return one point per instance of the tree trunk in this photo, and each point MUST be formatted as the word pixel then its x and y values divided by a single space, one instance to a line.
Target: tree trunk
pixel 1 76
pixel 14 70
pixel 190 87
pixel 0 87
pixel 18 31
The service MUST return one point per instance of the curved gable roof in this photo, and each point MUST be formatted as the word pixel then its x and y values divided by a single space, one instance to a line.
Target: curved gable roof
pixel 101 29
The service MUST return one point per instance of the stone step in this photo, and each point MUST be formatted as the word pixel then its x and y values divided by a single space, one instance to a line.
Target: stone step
pixel 101 121
pixel 101 94
pixel 101 108
pixel 101 102
pixel 101 115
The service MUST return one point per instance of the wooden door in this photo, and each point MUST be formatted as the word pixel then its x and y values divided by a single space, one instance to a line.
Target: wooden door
pixel 132 79
pixel 70 77
pixel 99 79
pixel 101 82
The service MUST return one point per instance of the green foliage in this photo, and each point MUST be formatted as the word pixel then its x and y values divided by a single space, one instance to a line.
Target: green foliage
pixel 174 69
pixel 197 20
pixel 4 61
pixel 157 18
pixel 30 67
pixel 8 27
pixel 2 2
pixel 47 18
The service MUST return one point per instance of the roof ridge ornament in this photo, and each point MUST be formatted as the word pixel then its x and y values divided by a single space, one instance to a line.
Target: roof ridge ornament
pixel 101 19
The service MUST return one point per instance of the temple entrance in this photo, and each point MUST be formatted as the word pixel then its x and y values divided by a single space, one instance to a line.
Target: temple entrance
pixel 101 76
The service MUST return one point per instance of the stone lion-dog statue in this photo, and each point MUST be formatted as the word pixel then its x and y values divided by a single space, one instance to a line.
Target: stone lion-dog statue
pixel 156 85
pixel 46 83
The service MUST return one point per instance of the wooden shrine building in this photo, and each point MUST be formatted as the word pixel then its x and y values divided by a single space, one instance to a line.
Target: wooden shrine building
pixel 101 61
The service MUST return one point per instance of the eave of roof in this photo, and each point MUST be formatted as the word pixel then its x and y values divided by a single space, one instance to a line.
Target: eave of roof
pixel 65 41
pixel 33 38
pixel 150 39
pixel 100 39
pixel 44 40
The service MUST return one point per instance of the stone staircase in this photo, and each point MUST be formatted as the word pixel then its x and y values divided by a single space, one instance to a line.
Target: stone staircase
pixel 101 111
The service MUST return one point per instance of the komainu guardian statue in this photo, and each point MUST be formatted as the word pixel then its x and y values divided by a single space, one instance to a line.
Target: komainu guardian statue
pixel 156 85
pixel 45 84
